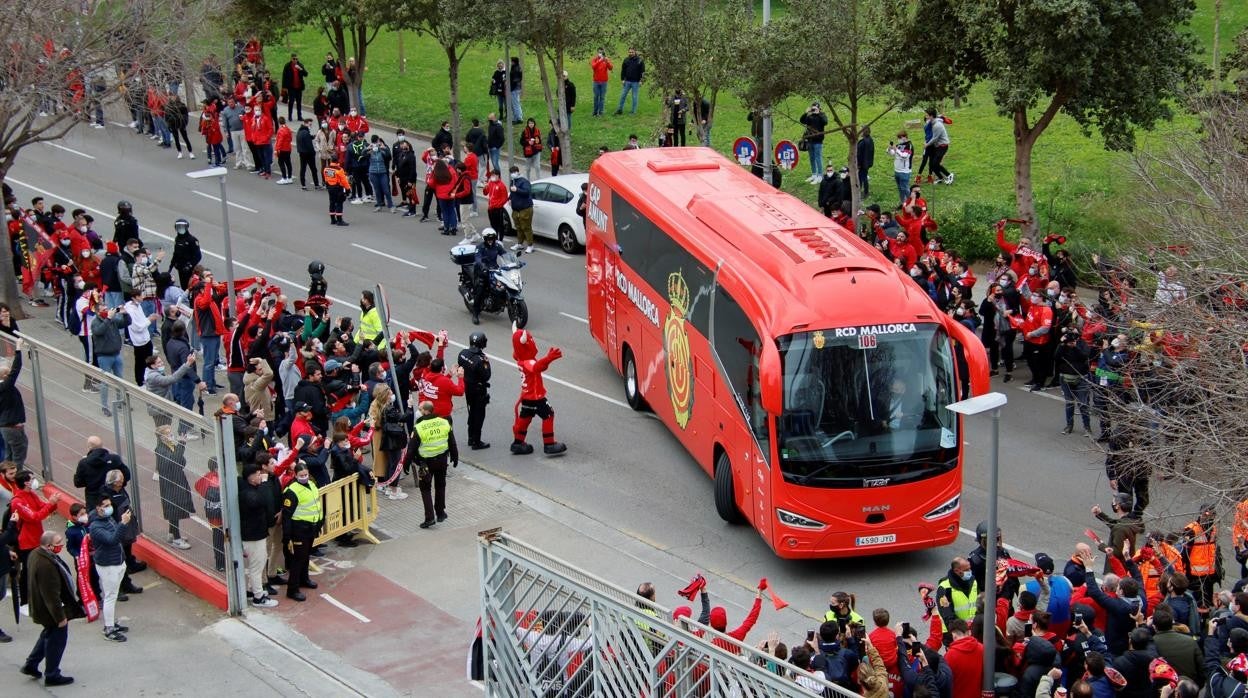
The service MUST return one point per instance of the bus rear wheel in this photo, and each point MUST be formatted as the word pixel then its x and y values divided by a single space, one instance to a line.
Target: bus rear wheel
pixel 632 384
pixel 725 498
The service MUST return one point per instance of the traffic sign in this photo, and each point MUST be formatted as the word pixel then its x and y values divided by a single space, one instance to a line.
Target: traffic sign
pixel 745 150
pixel 786 155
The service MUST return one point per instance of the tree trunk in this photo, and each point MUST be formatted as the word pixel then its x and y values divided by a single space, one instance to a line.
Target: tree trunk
pixel 1217 40
pixel 8 279
pixel 553 101
pixel 452 58
pixel 361 55
pixel 855 192
pixel 1024 199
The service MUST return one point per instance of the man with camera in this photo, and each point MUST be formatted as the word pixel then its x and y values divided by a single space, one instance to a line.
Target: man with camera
pixel 1072 361
pixel 601 66
pixel 815 122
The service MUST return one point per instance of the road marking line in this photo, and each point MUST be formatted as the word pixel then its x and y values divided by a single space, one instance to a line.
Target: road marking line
pixel 389 256
pixel 118 123
pixel 1040 393
pixel 552 253
pixel 292 284
pixel 346 609
pixel 218 200
pixel 574 317
pixel 79 153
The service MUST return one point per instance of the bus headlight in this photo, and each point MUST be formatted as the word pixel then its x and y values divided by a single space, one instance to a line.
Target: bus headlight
pixel 944 509
pixel 788 518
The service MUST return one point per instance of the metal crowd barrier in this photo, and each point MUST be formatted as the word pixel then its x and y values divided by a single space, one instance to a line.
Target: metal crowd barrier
pixel 552 630
pixel 165 446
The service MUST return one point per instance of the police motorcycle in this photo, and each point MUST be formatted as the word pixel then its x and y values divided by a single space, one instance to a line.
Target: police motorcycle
pixel 504 287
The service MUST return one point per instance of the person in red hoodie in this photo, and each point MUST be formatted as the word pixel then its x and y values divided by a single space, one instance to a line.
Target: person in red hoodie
pixel 1024 255
pixel 1037 328
pixel 438 387
pixel 260 136
pixel 471 165
pixel 210 129
pixel 965 657
pixel 31 510
pixel 884 639
pixel 601 67
pixel 282 146
pixel 719 621
pixel 496 196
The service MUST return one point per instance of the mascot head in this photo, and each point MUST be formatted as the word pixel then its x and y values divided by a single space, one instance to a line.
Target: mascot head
pixel 522 346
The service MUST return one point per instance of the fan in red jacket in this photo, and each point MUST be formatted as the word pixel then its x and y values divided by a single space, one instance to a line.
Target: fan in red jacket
pixel 438 387
pixel 719 621
pixel 1024 254
pixel 965 657
pixel 532 400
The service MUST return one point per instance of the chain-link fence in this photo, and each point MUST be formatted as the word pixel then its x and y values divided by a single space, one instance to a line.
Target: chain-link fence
pixel 74 409
pixel 551 629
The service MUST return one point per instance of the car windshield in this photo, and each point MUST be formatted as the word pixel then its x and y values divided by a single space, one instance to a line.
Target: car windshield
pixel 867 406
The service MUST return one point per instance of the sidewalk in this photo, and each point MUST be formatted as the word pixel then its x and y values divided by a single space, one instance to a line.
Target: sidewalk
pixel 393 619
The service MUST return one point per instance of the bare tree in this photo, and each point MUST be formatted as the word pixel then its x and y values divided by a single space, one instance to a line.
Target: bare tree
pixel 1183 299
pixel 66 59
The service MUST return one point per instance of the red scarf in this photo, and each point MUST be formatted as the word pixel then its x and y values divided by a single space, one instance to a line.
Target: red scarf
pixel 90 603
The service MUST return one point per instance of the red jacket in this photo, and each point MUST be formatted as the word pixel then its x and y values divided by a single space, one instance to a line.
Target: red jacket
pixel 740 631
pixel 497 194
pixel 1024 257
pixel 966 659
pixel 31 511
pixel 601 67
pixel 885 642
pixel 284 138
pixel 210 126
pixel 205 308
pixel 439 388
pixel 357 124
pixel 470 165
pixel 898 250
pixel 261 128
pixel 1038 316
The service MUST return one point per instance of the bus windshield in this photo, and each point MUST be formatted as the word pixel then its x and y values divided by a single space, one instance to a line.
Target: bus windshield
pixel 867 406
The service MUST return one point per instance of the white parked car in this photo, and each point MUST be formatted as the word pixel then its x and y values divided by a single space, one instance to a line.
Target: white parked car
pixel 554 210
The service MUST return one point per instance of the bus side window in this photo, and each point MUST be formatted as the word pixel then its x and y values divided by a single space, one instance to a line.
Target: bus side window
pixel 738 346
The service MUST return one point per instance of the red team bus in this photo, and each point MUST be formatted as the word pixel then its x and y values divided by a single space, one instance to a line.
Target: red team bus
pixel 802 370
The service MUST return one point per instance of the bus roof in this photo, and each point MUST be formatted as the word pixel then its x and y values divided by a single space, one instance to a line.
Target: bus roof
pixel 719 211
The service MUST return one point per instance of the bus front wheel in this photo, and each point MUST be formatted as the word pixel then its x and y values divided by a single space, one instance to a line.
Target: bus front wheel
pixel 725 499
pixel 632 384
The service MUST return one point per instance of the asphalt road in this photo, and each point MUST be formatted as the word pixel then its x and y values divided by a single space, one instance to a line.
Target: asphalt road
pixel 623 468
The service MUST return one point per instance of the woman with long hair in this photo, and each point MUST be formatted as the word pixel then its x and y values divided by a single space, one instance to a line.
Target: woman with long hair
pixel 389 439
pixel 531 140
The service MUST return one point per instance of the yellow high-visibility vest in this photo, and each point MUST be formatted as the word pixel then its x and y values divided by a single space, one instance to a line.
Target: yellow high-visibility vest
pixel 434 437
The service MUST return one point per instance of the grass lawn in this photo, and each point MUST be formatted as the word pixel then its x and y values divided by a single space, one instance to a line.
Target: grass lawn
pixel 1081 190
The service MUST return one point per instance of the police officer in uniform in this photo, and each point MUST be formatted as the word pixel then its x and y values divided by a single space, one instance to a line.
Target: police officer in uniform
pixel 432 442
pixel 338 185
pixel 476 367
pixel 488 253
pixel 301 521
pixel 125 226
pixel 186 252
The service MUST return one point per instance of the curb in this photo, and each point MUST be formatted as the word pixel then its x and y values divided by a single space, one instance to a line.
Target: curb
pixel 165 563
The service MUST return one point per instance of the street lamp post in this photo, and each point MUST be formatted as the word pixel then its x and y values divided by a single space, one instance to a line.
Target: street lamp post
pixel 766 144
pixel 991 402
pixel 219 173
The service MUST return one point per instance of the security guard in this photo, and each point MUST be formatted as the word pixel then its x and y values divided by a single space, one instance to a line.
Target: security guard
pixel 338 185
pixel 955 596
pixel 301 521
pixel 841 610
pixel 477 373
pixel 1203 558
pixel 432 440
pixel 370 322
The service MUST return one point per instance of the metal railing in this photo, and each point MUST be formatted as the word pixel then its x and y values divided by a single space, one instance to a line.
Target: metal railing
pixel 166 447
pixel 550 629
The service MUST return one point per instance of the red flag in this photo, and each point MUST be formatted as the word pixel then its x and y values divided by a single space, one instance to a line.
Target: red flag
pixel 1009 567
pixel 1095 538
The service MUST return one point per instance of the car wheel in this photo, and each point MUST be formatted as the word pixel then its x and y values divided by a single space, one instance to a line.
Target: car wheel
pixel 725 497
pixel 632 386
pixel 567 239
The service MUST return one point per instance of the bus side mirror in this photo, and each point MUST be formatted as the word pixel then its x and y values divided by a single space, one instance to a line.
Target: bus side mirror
pixel 770 384
pixel 976 356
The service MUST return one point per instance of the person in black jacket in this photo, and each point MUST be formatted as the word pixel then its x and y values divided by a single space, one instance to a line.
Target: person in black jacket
pixel 125 228
pixel 94 468
pixel 498 86
pixel 306 147
pixel 1072 361
pixel 831 190
pixel 1123 605
pixel 816 122
pixel 495 139
pixel 1134 665
pixel 256 513
pixel 631 72
pixel 443 138
pixel 865 152
pixel 310 391
pixel 13 409
pixel 515 77
pixel 294 79
pixel 176 118
pixel 569 96
pixel 477 375
pixel 186 252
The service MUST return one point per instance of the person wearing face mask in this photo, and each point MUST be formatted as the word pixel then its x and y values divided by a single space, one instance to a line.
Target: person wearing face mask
pixel 301 521
pixel 53 604
pixel 31 511
pixel 108 554
pixel 256 512
pixel 955 596
pixel 323 144
pixel 407 174
pixel 1110 366
pixel 1072 361
pixel 496 195
pixel 1036 324
pixel 521 211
